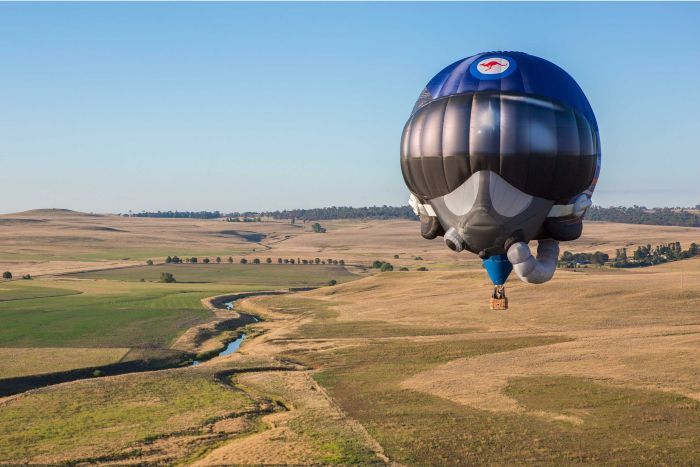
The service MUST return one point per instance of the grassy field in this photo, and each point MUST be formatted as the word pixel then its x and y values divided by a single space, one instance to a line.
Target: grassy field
pixel 29 361
pixel 112 418
pixel 595 367
pixel 269 275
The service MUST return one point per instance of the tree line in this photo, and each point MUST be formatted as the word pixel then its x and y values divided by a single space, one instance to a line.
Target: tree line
pixel 218 259
pixel 684 217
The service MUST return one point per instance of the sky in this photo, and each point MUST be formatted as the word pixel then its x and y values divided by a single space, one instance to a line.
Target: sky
pixel 113 107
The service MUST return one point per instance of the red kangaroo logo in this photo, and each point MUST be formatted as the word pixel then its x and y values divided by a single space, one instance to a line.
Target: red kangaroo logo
pixel 491 64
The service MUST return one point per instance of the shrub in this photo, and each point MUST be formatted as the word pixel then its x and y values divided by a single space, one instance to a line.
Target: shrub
pixel 376 264
pixel 335 262
pixel 403 269
pixel 176 260
pixel 342 262
pixel 304 261
pixel 193 259
pixel 286 261
pixel 142 280
pixel 205 260
pixel 244 261
pixel 168 259
pixel 27 277
pixel 317 260
pixel 230 259
pixel 97 373
pixel 387 267
pixel 268 260
pixel 279 260
pixel 316 227
pixel 396 256
pixel 332 282
pixel 218 259
pixel 167 277
pixel 418 258
pixel 7 275
pixel 149 262
pixel 422 268
pixel 256 261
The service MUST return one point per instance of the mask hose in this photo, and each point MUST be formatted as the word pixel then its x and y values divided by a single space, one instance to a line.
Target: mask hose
pixel 530 269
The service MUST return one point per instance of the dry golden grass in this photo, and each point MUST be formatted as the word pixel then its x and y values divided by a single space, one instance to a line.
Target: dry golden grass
pixel 28 361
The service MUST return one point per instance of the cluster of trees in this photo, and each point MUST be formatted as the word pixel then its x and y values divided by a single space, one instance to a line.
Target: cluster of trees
pixel 243 219
pixel 337 212
pixel 570 260
pixel 381 265
pixel 645 255
pixel 686 217
pixel 167 277
pixel 648 256
pixel 177 214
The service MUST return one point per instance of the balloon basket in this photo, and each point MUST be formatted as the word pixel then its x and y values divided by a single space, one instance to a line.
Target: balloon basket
pixel 499 301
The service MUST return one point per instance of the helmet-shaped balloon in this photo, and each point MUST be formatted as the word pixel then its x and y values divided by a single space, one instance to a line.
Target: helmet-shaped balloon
pixel 502 148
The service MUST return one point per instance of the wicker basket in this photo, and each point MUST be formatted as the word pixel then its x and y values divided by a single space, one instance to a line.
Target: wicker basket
pixel 499 303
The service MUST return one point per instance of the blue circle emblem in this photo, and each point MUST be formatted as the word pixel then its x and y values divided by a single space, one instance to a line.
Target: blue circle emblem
pixel 490 67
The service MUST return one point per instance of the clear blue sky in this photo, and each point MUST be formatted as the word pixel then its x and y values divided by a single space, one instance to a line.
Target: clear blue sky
pixel 111 107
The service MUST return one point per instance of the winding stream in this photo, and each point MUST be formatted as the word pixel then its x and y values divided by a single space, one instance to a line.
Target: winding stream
pixel 232 346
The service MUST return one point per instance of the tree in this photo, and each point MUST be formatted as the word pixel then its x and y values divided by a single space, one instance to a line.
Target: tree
pixel 205 260
pixel 279 260
pixel 176 260
pixel 335 262
pixel 230 259
pixel 256 261
pixel 7 275
pixel 376 264
pixel 244 261
pixel 291 260
pixel 342 262
pixel 316 227
pixel 218 259
pixel 304 261
pixel 193 259
pixel 332 282
pixel 387 267
pixel 317 260
pixel 268 260
pixel 167 277
pixel 168 260
pixel 286 261
pixel 149 262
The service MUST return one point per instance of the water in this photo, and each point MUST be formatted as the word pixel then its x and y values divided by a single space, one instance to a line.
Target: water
pixel 233 345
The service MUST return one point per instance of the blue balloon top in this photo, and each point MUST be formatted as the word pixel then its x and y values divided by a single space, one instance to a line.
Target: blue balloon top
pixel 515 72
pixel 499 268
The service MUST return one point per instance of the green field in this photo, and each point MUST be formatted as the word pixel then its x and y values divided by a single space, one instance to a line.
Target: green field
pixel 104 314
pixel 272 275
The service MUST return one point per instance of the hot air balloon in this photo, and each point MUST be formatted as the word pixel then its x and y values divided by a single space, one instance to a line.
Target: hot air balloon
pixel 502 148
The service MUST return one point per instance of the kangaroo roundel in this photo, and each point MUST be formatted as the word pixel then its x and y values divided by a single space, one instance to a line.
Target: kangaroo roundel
pixel 493 65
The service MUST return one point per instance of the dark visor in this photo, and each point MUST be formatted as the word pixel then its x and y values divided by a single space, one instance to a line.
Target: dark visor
pixel 539 146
